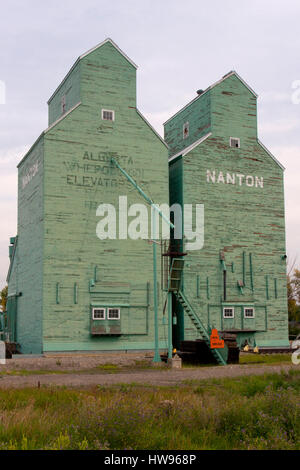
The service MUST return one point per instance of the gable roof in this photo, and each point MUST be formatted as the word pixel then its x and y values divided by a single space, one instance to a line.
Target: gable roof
pixel 61 118
pixel 227 75
pixel 271 155
pixel 87 53
pixel 115 46
pixel 151 127
pixel 191 147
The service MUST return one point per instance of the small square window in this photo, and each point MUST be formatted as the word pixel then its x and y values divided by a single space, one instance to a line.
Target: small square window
pixel 248 312
pixel 113 314
pixel 234 142
pixel 228 312
pixel 186 130
pixel 108 115
pixel 98 313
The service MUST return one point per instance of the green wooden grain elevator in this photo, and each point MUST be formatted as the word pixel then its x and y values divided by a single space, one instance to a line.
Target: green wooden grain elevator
pixel 237 282
pixel 69 290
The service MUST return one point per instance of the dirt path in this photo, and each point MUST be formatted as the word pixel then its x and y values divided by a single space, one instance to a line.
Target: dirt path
pixel 153 377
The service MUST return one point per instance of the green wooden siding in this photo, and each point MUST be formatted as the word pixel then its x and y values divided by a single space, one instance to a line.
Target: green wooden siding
pixel 63 270
pixel 78 177
pixel 70 90
pixel 246 222
pixel 233 111
pixel 198 115
pixel 27 274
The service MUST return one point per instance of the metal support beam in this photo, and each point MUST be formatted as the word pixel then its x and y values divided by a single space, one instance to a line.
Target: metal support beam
pixel 156 342
pixel 170 324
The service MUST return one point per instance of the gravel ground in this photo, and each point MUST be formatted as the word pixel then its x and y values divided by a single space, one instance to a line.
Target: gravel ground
pixel 161 376
pixel 74 362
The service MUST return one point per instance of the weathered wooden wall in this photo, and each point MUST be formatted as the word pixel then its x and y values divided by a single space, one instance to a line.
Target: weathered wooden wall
pixel 26 280
pixel 62 268
pixel 245 220
pixel 78 177
pixel 70 90
pixel 198 114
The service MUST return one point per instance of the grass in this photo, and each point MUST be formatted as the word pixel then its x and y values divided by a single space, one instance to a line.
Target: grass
pixel 27 372
pixel 249 358
pixel 138 365
pixel 264 358
pixel 253 412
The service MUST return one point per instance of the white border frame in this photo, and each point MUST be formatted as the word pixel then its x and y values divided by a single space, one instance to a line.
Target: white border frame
pixel 114 308
pixel 108 111
pixel 235 138
pixel 99 308
pixel 231 308
pixel 253 309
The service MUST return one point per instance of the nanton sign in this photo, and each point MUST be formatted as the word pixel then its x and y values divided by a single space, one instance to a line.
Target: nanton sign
pixel 234 178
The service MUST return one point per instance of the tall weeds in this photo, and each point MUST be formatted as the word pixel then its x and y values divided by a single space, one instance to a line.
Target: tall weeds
pixel 243 413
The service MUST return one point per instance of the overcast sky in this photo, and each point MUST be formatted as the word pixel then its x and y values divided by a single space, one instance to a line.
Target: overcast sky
pixel 179 46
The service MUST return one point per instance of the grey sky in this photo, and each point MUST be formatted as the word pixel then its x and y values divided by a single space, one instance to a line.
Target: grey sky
pixel 179 46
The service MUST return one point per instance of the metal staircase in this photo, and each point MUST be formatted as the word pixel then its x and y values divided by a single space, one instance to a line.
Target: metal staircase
pixel 175 287
pixel 199 326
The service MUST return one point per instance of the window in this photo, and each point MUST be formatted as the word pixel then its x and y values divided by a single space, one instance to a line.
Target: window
pixel 113 314
pixel 98 313
pixel 63 104
pixel 228 312
pixel 248 312
pixel 108 115
pixel 185 130
pixel 234 142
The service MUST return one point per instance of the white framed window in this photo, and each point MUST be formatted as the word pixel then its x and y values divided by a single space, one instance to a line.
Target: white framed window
pixel 228 312
pixel 99 313
pixel 113 314
pixel 235 142
pixel 186 130
pixel 249 312
pixel 107 114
